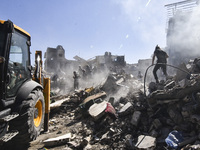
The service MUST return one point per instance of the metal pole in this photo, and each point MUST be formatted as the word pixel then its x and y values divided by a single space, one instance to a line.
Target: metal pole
pixel 46 83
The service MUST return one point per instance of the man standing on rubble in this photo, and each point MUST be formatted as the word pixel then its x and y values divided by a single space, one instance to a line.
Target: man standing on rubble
pixel 88 72
pixel 76 80
pixel 161 62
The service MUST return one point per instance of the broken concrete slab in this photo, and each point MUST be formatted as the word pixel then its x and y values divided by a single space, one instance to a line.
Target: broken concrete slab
pixel 125 109
pixel 110 84
pixel 63 139
pixel 95 96
pixel 97 110
pixel 90 100
pixel 146 142
pixel 58 103
pixel 120 81
pixel 176 92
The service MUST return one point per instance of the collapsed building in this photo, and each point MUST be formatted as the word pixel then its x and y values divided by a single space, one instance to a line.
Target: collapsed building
pixel 164 116
pixel 120 114
pixel 55 60
pixel 61 69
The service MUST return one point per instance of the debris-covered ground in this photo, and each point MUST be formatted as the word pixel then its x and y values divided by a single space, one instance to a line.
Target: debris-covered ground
pixel 121 114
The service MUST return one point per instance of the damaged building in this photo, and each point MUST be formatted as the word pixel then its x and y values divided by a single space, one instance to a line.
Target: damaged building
pixel 120 114
pixel 111 60
pixel 61 69
pixel 123 112
pixel 121 108
pixel 55 60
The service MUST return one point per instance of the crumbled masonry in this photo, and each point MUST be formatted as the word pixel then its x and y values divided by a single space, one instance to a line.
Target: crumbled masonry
pixel 97 119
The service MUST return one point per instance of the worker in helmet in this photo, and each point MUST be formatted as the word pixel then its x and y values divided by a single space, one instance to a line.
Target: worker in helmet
pixel 161 62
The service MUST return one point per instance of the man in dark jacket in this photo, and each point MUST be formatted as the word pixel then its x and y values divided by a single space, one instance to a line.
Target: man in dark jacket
pixel 161 58
pixel 76 80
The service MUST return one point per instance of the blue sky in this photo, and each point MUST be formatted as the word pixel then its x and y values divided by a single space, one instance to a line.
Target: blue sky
pixel 88 28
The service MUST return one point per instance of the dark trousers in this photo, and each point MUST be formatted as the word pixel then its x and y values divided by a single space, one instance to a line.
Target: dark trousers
pixel 76 84
pixel 158 66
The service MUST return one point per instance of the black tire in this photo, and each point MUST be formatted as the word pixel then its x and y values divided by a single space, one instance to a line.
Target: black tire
pixel 28 128
pixel 3 129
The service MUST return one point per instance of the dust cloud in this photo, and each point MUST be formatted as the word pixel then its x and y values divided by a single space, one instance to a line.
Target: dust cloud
pixel 183 38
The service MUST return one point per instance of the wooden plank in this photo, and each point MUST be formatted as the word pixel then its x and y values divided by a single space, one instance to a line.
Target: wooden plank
pixel 95 96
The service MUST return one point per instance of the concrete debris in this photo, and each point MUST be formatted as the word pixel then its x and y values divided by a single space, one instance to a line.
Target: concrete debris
pixel 146 142
pixel 58 140
pixel 97 110
pixel 125 109
pixel 58 103
pixel 110 84
pixel 192 147
pixel 92 99
pixel 117 114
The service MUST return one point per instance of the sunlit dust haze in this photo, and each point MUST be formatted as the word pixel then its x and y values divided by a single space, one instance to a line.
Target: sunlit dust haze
pixel 185 37
pixel 91 27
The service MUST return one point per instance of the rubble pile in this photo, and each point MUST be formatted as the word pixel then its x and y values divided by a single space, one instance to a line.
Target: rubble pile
pixel 102 118
pixel 177 108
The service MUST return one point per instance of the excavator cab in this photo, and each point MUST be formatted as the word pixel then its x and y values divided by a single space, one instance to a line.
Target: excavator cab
pixel 18 63
pixel 15 55
pixel 22 104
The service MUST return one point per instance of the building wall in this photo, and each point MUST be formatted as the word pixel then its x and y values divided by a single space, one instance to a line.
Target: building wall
pixel 55 59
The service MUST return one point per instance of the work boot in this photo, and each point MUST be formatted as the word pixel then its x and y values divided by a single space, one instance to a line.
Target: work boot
pixel 157 81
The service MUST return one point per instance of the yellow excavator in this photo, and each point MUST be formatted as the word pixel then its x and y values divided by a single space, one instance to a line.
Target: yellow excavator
pixel 24 93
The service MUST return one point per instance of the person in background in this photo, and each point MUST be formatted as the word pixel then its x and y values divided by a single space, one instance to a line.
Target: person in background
pixel 140 76
pixel 88 72
pixel 76 80
pixel 84 75
pixel 161 62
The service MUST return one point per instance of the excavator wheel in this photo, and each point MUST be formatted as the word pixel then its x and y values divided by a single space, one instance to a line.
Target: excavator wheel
pixel 31 119
pixel 3 128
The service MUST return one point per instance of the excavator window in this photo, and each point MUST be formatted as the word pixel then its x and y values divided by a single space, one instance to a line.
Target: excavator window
pixel 2 41
pixel 18 63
